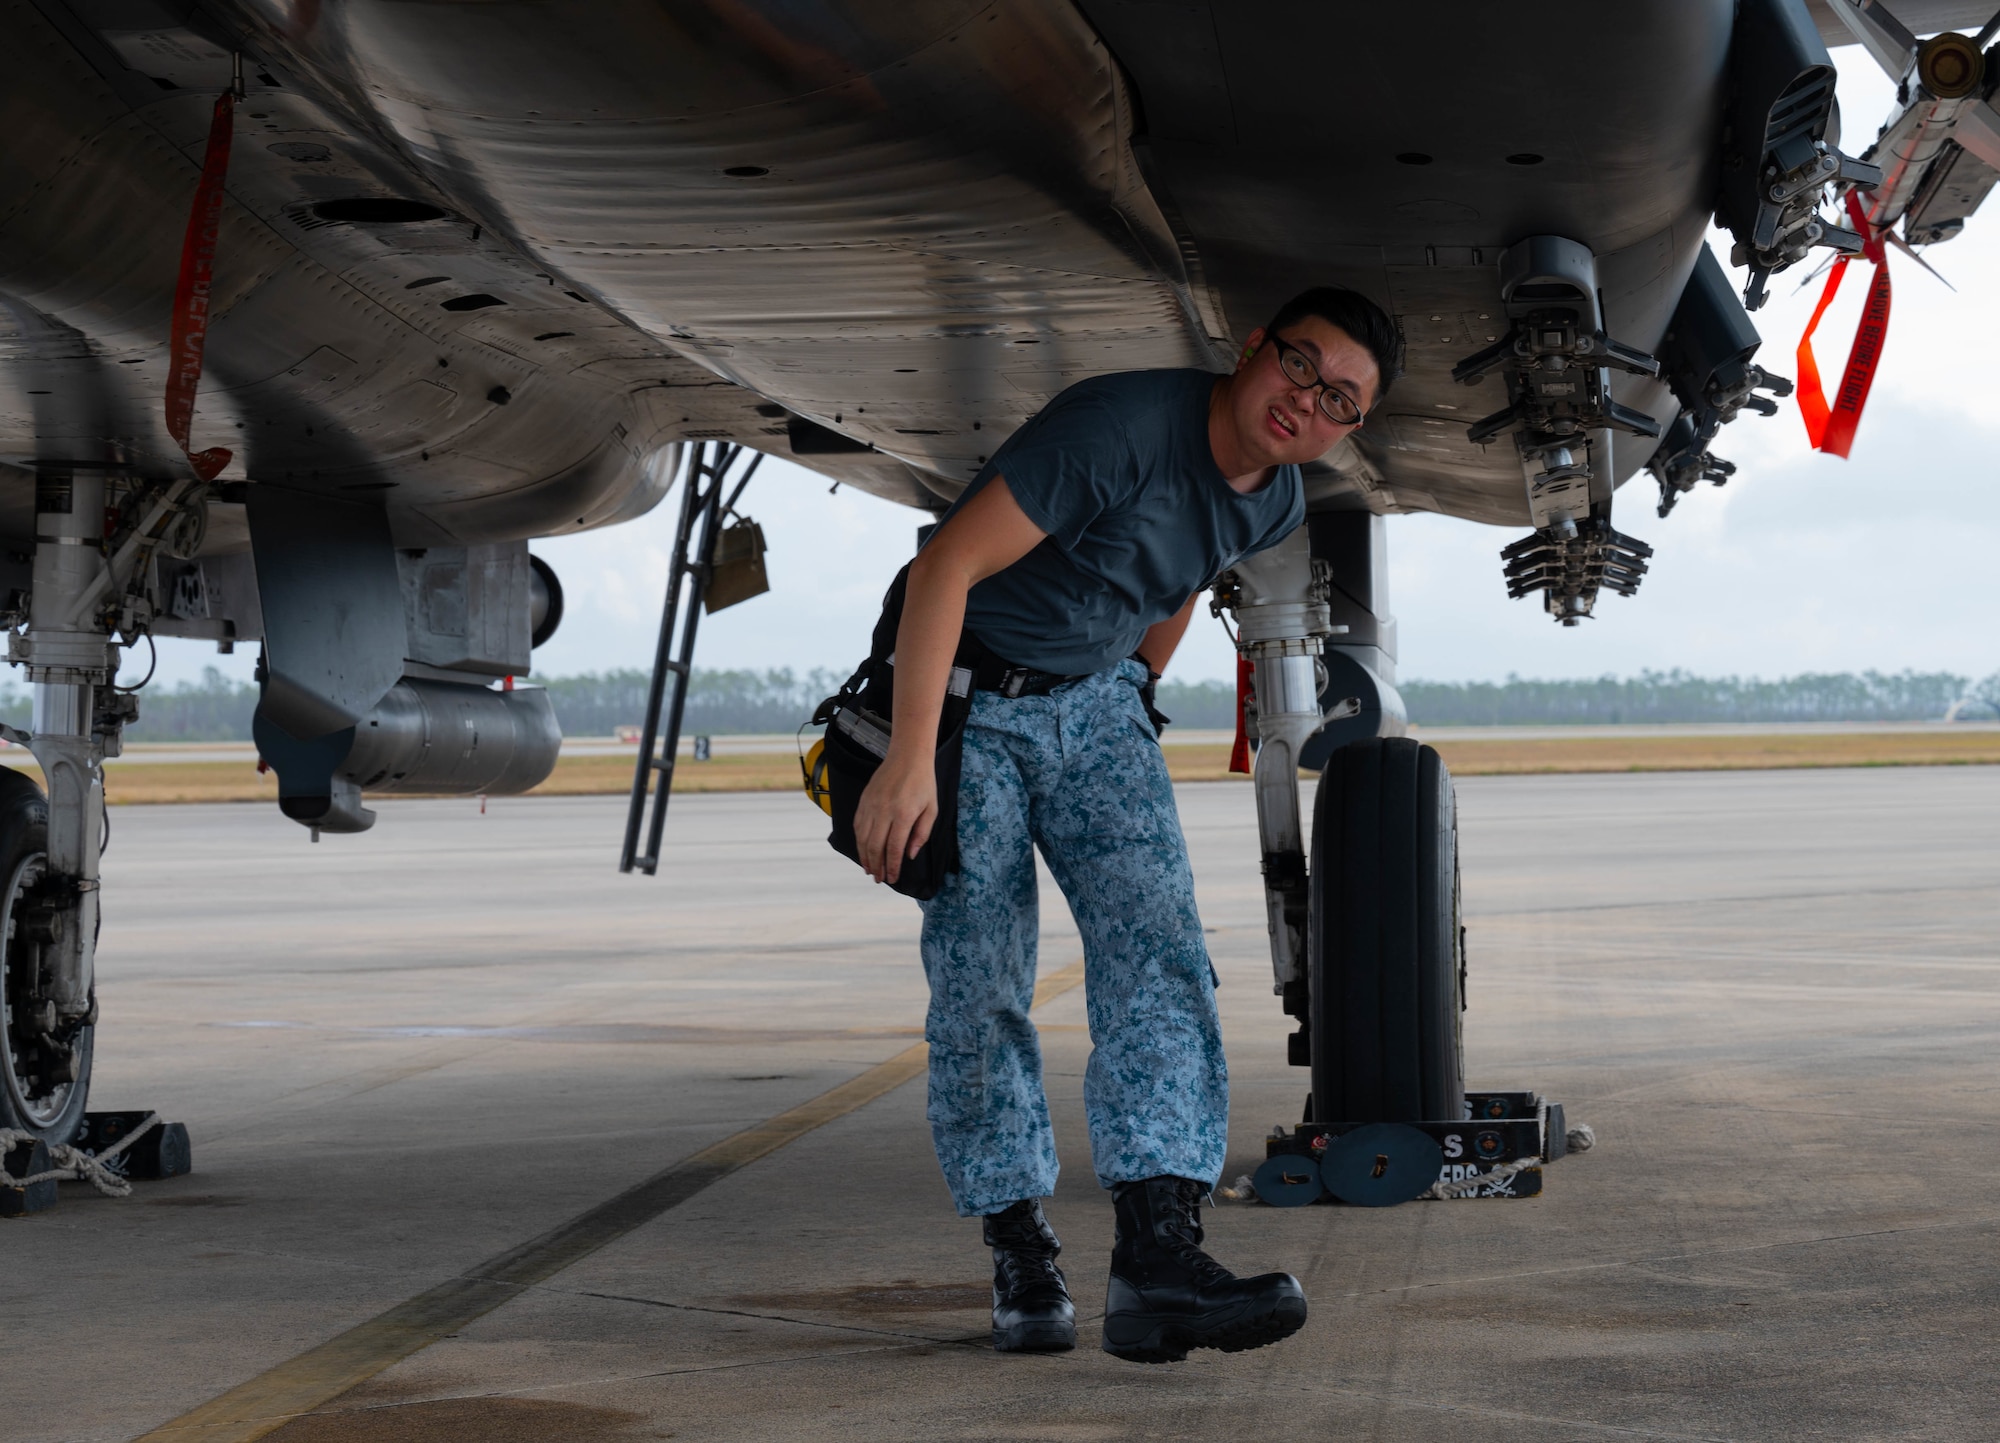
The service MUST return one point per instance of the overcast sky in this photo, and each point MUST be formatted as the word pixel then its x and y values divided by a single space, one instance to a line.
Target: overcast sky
pixel 1802 563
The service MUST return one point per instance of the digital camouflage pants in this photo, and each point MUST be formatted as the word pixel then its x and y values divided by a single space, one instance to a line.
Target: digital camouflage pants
pixel 1079 775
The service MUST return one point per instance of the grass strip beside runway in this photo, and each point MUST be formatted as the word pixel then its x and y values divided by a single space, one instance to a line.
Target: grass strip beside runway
pixel 600 775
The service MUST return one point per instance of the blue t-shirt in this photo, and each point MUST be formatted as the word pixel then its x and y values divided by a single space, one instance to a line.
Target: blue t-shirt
pixel 1117 470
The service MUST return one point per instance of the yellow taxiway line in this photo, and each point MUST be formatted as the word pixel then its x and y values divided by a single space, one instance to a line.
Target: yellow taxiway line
pixel 317 1376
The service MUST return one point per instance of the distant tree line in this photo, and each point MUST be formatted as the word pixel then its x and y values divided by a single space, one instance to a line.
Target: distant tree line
pixel 778 700
pixel 721 702
pixel 214 709
pixel 1677 696
pixel 596 705
pixel 1651 696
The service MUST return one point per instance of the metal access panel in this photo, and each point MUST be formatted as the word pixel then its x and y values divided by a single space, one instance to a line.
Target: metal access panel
pixel 467 608
pixel 211 599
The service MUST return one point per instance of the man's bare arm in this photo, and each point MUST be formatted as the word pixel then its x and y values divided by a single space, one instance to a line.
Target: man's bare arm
pixel 900 804
pixel 1163 638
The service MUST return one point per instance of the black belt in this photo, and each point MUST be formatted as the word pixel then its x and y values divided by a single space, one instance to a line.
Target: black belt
pixel 1015 681
pixel 996 673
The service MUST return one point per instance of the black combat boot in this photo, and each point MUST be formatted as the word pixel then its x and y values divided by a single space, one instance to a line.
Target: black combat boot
pixel 1032 1312
pixel 1168 1296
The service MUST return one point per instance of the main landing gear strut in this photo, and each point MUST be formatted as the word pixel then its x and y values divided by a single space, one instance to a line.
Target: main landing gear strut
pixel 90 581
pixel 1367 941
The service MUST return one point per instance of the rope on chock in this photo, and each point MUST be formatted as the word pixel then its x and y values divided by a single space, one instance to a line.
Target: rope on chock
pixel 74 1163
pixel 1581 1138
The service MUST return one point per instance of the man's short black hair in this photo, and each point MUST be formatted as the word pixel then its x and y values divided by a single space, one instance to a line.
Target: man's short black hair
pixel 1355 314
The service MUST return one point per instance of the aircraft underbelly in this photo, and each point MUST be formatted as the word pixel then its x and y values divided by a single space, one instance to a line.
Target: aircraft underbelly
pixel 910 221
pixel 1400 151
pixel 910 224
pixel 321 372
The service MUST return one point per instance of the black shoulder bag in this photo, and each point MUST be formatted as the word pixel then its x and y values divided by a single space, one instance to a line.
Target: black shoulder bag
pixel 857 719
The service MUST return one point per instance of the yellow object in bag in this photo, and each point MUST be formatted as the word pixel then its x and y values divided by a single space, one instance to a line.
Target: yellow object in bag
pixel 813 764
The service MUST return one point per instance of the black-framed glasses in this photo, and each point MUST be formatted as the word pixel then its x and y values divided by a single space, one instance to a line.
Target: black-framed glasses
pixel 1337 406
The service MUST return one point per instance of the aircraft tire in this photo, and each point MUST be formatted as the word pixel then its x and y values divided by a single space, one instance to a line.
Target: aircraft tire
pixel 1384 943
pixel 56 1113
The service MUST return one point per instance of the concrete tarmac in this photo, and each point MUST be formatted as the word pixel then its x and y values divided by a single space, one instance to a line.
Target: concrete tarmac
pixel 1774 995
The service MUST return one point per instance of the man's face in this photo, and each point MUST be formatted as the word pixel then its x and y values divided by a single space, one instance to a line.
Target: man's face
pixel 1279 421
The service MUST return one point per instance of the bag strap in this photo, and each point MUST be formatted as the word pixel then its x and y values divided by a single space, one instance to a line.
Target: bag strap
pixel 970 663
pixel 875 667
pixel 847 696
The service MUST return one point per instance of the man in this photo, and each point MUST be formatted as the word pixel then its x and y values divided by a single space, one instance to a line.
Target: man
pixel 1077 555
